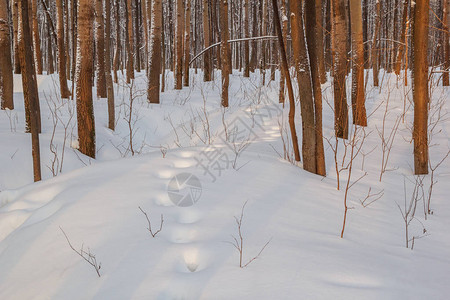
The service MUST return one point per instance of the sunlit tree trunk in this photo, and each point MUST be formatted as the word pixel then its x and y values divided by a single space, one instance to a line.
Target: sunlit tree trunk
pixel 85 109
pixel 179 45
pixel 36 38
pixel 420 86
pixel 129 41
pixel 109 82
pixel 61 51
pixel 155 52
pixel 29 84
pixel 206 37
pixel 6 72
pixel 100 47
pixel 225 52
pixel 187 49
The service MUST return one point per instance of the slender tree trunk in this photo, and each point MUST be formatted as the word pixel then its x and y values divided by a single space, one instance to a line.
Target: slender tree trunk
pixel 187 48
pixel 85 109
pixel 179 46
pixel 36 39
pixel 29 83
pixel 313 41
pixel 6 71
pixel 318 26
pixel 401 48
pixel 61 51
pixel 206 37
pixel 358 92
pixel 137 34
pixel 129 41
pixel 288 81
pixel 246 43
pixel 376 45
pixel 339 49
pixel 445 76
pixel 100 43
pixel 224 48
pixel 145 21
pixel 50 65
pixel 155 53
pixel 284 34
pixel 109 82
pixel 420 86
pixel 15 9
pixel 118 42
pixel 305 89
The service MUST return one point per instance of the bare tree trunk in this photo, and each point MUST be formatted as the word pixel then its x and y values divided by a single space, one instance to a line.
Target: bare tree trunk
pixel 187 49
pixel 339 49
pixel 358 92
pixel 85 109
pixel 109 82
pixel 36 39
pixel 206 37
pixel 445 76
pixel 146 21
pixel 224 48
pixel 155 52
pixel 6 72
pixel 15 9
pixel 305 89
pixel 376 45
pixel 179 45
pixel 129 41
pixel 420 87
pixel 61 52
pixel 137 35
pixel 246 43
pixel 118 42
pixel 100 43
pixel 29 83
pixel 285 69
pixel 401 48
pixel 284 34
pixel 313 41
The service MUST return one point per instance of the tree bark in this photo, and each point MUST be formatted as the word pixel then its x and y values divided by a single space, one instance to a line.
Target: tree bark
pixel 376 45
pixel 358 87
pixel 179 45
pixel 445 76
pixel 153 95
pixel 129 41
pixel 29 84
pixel 420 86
pixel 15 9
pixel 187 49
pixel 36 39
pixel 206 37
pixel 224 48
pixel 85 109
pixel 100 43
pixel 339 49
pixel 246 43
pixel 109 82
pixel 6 71
pixel 61 51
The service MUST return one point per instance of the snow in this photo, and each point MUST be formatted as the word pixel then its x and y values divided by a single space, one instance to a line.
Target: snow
pixel 96 203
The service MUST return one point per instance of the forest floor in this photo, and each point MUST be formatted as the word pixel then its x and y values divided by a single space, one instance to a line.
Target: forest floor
pixel 200 167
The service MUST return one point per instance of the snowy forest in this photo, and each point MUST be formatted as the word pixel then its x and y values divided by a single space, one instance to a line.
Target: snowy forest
pixel 224 149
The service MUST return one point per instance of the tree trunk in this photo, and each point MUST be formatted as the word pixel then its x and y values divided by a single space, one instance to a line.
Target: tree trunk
pixel 6 72
pixel 109 82
pixel 118 42
pixel 445 76
pixel 29 84
pixel 61 51
pixel 179 45
pixel 246 43
pixel 314 48
pixel 401 48
pixel 420 87
pixel 305 89
pixel 155 52
pixel 36 39
pixel 85 109
pixel 339 49
pixel 206 37
pixel 100 43
pixel 224 48
pixel 358 97
pixel 15 9
pixel 376 45
pixel 129 41
pixel 187 47
pixel 285 69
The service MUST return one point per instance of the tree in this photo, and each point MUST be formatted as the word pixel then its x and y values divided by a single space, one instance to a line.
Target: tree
pixel 315 47
pixel 36 38
pixel 446 20
pixel 129 39
pixel 85 109
pixel 246 43
pixel 100 49
pixel 358 97
pixel 339 49
pixel 420 86
pixel 155 52
pixel 6 72
pixel 305 89
pixel 61 51
pixel 225 52
pixel 179 45
pixel 376 44
pixel 187 31
pixel 206 38
pixel 29 84
pixel 109 82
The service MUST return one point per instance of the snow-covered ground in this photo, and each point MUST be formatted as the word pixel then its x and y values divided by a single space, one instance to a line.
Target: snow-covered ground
pixel 237 157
